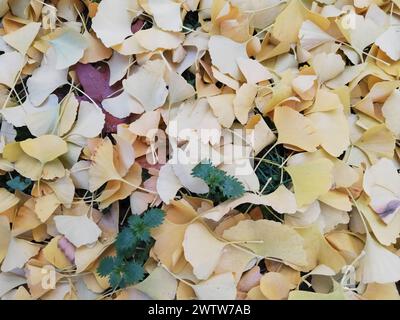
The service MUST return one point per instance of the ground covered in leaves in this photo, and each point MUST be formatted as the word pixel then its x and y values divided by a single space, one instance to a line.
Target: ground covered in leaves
pixel 199 149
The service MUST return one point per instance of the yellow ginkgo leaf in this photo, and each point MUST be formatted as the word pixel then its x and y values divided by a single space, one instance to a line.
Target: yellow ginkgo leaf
pixel 95 50
pixel 54 255
pixel 386 234
pixel 45 206
pixel 244 101
pixel 391 112
pixel 45 148
pixel 10 63
pixel 113 20
pixel 275 286
pixel 376 259
pixel 295 129
pixel 147 86
pixel 333 129
pixel 382 184
pixel 218 287
pixel 202 250
pixel 222 107
pixel 376 291
pixel 18 253
pixel 319 251
pixel 167 14
pixel 296 13
pixel 22 38
pixel 7 200
pixel 335 62
pixel 168 246
pixel 159 285
pixel 154 38
pixel 102 168
pixel 79 230
pixel 275 240
pixel 69 47
pixel 224 54
pixel 311 180
pixel 377 142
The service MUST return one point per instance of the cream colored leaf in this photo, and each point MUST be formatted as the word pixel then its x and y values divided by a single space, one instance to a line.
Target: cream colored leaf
pixel 218 287
pixel 382 184
pixel 391 112
pixel 79 230
pixel 148 87
pixel 244 101
pixel 322 60
pixel 282 200
pixel 276 240
pixel 89 123
pixel 311 180
pixel 70 47
pixel 11 63
pixel 153 39
pixel 312 36
pixel 122 105
pixel 113 20
pixel 22 38
pixel 45 79
pixel 224 54
pixel 222 107
pixel 377 142
pixel 118 65
pixel 202 250
pixel 275 286
pixel 102 168
pixel 333 129
pixel 168 183
pixel 45 148
pixel 379 265
pixel 253 71
pixel 386 234
pixel 388 42
pixel 19 252
pixel 95 49
pixel 295 129
pixel 167 14
pixel 7 200
pixel 45 206
pixel 8 281
pixel 159 285
pixel 179 89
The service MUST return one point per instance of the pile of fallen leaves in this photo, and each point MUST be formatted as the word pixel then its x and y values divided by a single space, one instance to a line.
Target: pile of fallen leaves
pixel 199 149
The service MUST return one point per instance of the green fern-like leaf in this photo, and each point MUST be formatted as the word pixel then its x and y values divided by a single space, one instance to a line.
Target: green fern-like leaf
pixel 222 186
pixel 153 218
pixel 133 244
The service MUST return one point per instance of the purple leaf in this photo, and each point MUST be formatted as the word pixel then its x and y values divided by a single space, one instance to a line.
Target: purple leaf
pixel 95 82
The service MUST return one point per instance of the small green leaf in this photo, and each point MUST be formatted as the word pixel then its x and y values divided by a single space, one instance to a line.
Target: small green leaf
pixel 106 266
pixel 139 228
pixel 153 218
pixel 125 242
pixel 18 183
pixel 218 182
pixel 115 279
pixel 134 273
